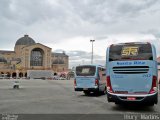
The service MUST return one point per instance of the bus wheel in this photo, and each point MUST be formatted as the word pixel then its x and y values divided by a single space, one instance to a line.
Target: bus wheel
pixel 109 99
pixel 150 104
pixel 97 93
pixel 117 103
pixel 156 101
pixel 105 91
pixel 86 92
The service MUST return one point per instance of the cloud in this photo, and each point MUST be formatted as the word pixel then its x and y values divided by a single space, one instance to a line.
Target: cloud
pixel 58 23
pixel 68 19
pixel 83 57
pixel 71 18
pixel 154 32
pixel 155 39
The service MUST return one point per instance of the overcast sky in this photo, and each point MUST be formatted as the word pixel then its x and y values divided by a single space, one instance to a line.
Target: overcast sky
pixel 68 25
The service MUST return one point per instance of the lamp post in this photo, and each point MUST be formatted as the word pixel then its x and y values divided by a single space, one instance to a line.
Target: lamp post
pixel 92 51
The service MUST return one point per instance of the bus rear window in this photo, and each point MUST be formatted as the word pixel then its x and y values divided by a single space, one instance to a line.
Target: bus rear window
pixel 85 70
pixel 130 52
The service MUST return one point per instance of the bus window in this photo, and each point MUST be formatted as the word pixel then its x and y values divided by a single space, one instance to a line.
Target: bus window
pixel 85 70
pixel 132 52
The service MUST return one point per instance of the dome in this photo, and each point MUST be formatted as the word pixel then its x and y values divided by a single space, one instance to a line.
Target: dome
pixel 2 59
pixel 26 40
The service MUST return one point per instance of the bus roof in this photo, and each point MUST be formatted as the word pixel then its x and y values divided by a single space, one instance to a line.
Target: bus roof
pixel 91 65
pixel 130 43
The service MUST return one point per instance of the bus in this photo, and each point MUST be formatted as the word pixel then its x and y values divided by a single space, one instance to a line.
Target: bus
pixel 131 74
pixel 90 78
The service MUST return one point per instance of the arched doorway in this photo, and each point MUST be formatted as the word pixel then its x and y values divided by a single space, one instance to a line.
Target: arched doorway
pixel 20 74
pixel 8 75
pixel 55 74
pixel 1 75
pixel 36 58
pixel 25 75
pixel 14 75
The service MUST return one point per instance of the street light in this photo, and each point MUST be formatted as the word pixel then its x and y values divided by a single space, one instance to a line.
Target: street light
pixel 92 51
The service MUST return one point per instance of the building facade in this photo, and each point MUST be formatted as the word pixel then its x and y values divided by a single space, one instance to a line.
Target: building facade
pixel 29 55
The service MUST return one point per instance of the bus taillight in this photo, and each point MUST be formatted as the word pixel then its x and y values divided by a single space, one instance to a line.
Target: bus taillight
pixel 109 87
pixel 75 84
pixel 96 82
pixel 154 85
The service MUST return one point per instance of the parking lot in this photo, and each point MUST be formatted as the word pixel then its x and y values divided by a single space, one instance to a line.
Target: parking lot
pixel 58 97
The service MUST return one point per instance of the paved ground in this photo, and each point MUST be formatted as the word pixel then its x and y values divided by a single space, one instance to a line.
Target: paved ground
pixel 58 97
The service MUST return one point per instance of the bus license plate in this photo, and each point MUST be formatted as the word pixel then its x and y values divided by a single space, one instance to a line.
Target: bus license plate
pixel 85 88
pixel 131 98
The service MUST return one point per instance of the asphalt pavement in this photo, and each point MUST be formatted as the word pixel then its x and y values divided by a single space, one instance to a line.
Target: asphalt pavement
pixel 59 97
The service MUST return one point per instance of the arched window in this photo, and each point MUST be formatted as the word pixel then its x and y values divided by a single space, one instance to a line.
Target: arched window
pixel 36 57
pixel 25 75
pixel 14 75
pixel 20 74
pixel 2 73
pixel 8 74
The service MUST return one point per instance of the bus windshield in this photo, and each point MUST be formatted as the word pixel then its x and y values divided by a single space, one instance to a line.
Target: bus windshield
pixel 130 52
pixel 85 70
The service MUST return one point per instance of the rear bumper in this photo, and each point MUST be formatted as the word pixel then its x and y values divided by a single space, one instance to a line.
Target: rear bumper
pixel 120 98
pixel 87 89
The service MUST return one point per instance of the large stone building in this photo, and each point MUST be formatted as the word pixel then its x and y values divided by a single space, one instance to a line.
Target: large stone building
pixel 29 55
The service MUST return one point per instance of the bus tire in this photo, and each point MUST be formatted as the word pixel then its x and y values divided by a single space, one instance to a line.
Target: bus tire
pixel 117 103
pixel 97 92
pixel 150 104
pixel 156 101
pixel 105 90
pixel 86 92
pixel 110 99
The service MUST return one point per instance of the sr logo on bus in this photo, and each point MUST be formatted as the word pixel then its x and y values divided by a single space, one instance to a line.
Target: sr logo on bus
pixel 129 51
